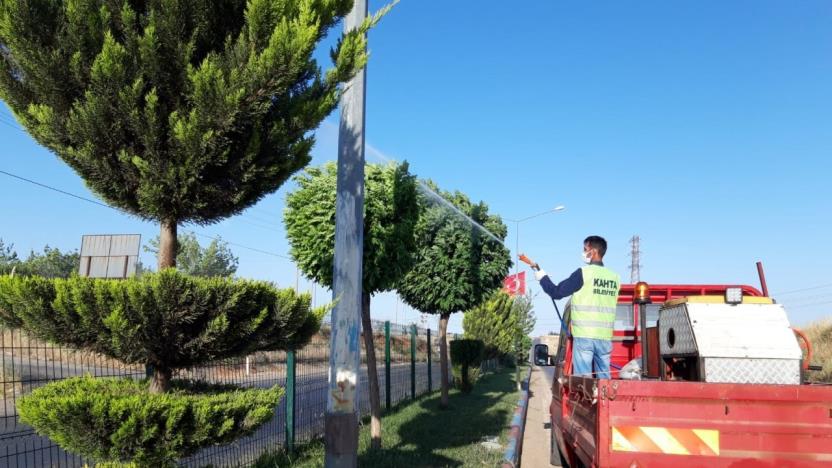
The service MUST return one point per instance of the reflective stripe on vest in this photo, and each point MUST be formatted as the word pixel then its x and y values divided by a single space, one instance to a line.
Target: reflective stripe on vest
pixel 593 306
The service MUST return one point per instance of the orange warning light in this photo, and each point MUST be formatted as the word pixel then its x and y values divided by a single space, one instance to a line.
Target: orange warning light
pixel 641 295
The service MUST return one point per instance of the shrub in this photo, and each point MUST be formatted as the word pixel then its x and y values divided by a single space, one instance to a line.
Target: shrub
pixel 466 354
pixel 509 361
pixel 463 383
pixel 167 320
pixel 503 322
pixel 119 420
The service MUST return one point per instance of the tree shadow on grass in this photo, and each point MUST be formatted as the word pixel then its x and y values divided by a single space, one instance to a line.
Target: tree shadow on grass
pixel 455 432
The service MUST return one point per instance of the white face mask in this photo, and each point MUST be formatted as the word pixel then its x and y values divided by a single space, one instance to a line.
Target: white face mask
pixel 586 256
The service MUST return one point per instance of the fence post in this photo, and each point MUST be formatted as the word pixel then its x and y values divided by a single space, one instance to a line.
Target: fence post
pixel 290 401
pixel 387 364
pixel 413 362
pixel 430 369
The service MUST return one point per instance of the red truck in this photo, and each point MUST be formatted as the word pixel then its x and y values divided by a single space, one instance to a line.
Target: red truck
pixel 720 386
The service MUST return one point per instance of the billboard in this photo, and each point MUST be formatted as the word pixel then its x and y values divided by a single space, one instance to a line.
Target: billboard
pixel 109 255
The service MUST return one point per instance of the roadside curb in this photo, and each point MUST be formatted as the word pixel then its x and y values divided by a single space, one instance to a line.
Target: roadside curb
pixel 511 457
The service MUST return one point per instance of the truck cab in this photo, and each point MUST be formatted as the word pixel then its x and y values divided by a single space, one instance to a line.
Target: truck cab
pixel 719 383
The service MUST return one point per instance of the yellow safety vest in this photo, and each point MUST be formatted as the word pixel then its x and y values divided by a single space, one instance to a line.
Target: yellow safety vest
pixel 593 306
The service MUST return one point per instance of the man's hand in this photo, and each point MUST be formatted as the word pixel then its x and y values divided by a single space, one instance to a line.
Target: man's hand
pixel 538 273
pixel 527 260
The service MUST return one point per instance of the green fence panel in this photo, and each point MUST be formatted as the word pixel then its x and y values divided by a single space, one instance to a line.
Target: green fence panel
pixel 290 401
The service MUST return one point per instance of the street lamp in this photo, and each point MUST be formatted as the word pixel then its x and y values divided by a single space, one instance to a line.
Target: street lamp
pixel 517 232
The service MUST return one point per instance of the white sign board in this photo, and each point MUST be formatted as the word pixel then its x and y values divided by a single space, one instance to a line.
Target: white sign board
pixel 109 256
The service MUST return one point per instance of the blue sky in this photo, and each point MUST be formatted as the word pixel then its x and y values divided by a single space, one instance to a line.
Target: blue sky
pixel 705 127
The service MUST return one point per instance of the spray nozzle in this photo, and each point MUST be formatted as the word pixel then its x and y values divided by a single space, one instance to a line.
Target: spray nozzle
pixel 528 261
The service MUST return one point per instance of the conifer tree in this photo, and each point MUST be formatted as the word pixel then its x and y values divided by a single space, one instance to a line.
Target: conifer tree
pixel 215 260
pixel 177 111
pixel 502 322
pixel 167 320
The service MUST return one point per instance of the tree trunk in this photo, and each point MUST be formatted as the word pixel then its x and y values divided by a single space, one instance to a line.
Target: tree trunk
pixel 168 245
pixel 166 258
pixel 443 358
pixel 372 373
pixel 161 381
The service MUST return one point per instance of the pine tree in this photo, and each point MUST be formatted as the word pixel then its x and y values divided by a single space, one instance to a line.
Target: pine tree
pixel 167 320
pixel 494 323
pixel 9 261
pixel 193 259
pixel 502 322
pixel 177 111
pixel 51 263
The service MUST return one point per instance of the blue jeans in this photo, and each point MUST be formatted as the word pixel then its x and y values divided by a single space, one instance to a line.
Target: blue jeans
pixel 589 351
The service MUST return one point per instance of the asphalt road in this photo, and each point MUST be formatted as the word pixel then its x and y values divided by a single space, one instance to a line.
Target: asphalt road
pixel 21 447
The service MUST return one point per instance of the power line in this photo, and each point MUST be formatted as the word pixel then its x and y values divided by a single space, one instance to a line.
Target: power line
pixel 810 305
pixel 10 121
pixel 4 119
pixel 10 125
pixel 803 299
pixel 261 226
pixel 89 200
pixel 821 286
pixel 253 249
pixel 258 218
pixel 96 202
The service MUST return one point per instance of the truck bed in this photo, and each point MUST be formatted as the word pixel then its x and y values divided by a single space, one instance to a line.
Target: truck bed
pixel 611 423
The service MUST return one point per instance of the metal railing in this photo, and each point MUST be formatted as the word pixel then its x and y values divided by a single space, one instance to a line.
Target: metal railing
pixel 407 359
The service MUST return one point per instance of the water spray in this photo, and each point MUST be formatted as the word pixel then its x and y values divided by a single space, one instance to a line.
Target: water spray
pixel 431 193
pixel 423 187
pixel 534 266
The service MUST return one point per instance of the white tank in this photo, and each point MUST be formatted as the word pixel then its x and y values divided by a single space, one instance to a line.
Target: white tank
pixel 742 343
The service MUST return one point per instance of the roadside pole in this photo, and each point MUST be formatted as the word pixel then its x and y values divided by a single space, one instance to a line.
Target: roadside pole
pixel 341 420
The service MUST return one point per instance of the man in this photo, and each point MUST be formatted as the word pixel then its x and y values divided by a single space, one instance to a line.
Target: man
pixel 594 290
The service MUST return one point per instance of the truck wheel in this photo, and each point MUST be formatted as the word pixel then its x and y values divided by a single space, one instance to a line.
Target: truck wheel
pixel 555 457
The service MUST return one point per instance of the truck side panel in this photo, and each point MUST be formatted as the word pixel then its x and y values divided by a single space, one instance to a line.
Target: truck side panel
pixel 653 423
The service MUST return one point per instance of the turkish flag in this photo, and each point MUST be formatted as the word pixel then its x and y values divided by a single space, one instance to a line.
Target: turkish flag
pixel 515 284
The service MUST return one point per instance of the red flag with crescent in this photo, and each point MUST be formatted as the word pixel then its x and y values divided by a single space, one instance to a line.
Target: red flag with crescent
pixel 515 284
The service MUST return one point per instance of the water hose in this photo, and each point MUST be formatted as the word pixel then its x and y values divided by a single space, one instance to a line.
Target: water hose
pixel 534 266
pixel 809 353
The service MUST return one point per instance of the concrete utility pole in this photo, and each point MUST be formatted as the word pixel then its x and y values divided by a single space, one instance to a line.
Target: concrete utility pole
pixel 635 259
pixel 341 420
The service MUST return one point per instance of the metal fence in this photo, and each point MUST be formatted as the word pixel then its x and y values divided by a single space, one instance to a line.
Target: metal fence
pixel 407 362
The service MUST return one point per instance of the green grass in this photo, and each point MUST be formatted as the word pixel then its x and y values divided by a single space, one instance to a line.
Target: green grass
pixel 419 434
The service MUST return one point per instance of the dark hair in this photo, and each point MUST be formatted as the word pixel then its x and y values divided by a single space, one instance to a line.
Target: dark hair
pixel 598 243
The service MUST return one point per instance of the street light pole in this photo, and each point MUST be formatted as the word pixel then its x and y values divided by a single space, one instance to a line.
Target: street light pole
pixel 517 248
pixel 341 419
pixel 517 222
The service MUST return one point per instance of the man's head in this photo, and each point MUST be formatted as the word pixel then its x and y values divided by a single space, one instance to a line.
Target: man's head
pixel 595 247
